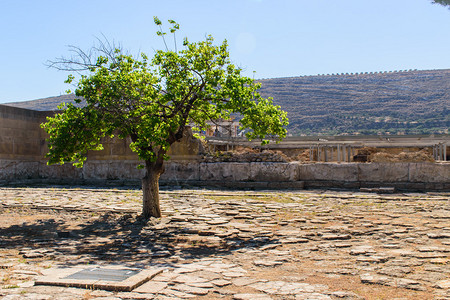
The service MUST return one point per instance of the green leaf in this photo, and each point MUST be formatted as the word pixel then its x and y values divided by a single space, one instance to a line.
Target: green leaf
pixel 157 21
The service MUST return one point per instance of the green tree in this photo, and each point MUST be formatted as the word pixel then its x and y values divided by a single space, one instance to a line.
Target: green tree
pixel 152 101
pixel 442 2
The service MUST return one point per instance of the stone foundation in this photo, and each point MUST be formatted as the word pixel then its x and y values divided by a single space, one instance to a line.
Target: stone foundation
pixel 23 146
pixel 257 175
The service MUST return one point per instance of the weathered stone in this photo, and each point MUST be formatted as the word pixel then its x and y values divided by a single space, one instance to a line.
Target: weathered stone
pixel 25 272
pixel 206 285
pixel 217 221
pixel 273 172
pixel 376 279
pixel 438 235
pixel 189 279
pixel 422 172
pixel 373 259
pixel 132 296
pixel 395 271
pixel 287 288
pixel 269 246
pixel 221 282
pixel 243 281
pixel 382 172
pixel 177 294
pixel 251 297
pixel 32 254
pixel 225 171
pixel 151 287
pixel 181 170
pixel 190 289
pixel 362 250
pixel 328 171
pixel 346 295
pixel 443 284
pixel 336 237
pixel 267 263
pixel 409 284
pixel 294 240
pixel 312 296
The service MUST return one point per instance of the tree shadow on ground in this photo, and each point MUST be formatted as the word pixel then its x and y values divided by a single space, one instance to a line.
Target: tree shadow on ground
pixel 120 239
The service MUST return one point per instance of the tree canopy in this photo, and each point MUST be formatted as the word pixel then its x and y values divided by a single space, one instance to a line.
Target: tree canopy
pixel 153 100
pixel 442 2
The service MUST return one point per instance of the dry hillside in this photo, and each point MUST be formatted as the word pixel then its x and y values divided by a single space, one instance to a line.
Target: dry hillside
pixel 395 102
pixel 413 102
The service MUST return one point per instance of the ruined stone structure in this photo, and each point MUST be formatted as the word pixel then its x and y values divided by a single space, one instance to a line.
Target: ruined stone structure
pixel 22 150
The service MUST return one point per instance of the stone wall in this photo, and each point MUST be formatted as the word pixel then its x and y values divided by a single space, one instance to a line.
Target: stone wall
pixel 22 142
pixel 21 138
pixel 255 175
pixel 22 149
pixel 404 176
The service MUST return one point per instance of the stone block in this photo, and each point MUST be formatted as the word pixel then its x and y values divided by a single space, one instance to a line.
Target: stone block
pixel 6 148
pixel 124 169
pixel 295 185
pixel 345 172
pixel 383 172
pixel 71 277
pixel 224 171
pixel 181 171
pixel 119 148
pixel 29 148
pixel 95 170
pixel 26 170
pixel 273 171
pixel 66 171
pixel 7 168
pixel 429 172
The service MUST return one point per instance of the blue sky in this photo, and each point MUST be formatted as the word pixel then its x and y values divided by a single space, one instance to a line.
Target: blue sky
pixel 274 38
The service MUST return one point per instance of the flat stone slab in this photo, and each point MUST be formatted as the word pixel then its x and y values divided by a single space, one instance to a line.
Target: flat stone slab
pixel 110 278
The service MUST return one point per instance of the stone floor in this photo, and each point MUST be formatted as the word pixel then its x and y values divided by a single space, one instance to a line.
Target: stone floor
pixel 230 244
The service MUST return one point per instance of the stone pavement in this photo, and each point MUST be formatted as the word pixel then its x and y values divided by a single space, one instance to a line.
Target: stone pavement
pixel 230 244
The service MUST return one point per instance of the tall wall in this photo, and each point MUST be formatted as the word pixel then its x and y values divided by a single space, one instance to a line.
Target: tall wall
pixel 21 138
pixel 22 142
pixel 23 148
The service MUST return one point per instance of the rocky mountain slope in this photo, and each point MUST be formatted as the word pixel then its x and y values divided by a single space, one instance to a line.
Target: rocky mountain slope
pixel 395 102
pixel 406 102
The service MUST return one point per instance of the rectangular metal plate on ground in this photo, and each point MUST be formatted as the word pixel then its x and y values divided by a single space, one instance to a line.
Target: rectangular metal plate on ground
pixel 111 278
pixel 103 274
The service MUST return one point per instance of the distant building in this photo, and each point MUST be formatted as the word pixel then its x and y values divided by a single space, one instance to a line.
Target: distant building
pixel 223 128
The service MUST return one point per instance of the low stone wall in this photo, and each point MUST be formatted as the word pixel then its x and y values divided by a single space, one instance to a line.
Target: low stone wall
pixel 403 176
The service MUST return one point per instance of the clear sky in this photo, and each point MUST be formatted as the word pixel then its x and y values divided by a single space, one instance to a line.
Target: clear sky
pixel 274 38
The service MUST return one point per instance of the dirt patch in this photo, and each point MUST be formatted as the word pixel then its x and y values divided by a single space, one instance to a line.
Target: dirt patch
pixel 421 156
pixel 243 154
pixel 371 154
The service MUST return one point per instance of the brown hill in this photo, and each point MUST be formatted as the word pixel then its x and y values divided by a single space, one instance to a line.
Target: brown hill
pixel 394 102
pixel 407 102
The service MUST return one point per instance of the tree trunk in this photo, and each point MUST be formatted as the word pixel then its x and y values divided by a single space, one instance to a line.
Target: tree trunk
pixel 150 189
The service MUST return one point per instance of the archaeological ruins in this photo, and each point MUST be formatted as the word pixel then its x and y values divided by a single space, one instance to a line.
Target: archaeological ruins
pixel 305 162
